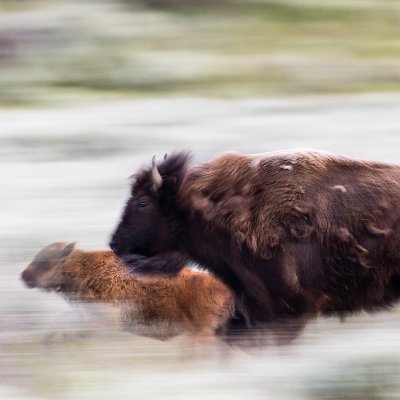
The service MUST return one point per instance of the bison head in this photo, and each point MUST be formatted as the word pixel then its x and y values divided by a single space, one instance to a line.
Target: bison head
pixel 149 222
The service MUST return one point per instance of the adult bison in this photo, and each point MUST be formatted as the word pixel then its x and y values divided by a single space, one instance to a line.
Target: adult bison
pixel 290 233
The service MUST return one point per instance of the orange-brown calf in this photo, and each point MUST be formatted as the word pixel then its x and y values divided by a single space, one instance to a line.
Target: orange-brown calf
pixel 159 306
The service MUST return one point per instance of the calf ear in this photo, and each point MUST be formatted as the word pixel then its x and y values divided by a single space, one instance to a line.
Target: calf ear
pixel 68 249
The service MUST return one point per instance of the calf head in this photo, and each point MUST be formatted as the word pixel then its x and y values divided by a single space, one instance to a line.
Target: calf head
pixel 45 271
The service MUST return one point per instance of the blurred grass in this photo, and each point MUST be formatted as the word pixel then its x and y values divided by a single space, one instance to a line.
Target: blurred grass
pixel 61 52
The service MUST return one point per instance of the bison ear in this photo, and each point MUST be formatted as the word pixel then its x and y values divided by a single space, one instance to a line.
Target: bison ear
pixel 155 176
pixel 68 249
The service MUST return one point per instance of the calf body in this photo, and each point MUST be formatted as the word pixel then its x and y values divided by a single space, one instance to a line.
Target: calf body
pixel 157 306
pixel 291 233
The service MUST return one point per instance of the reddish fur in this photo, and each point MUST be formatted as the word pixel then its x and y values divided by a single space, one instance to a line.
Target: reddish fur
pixel 197 302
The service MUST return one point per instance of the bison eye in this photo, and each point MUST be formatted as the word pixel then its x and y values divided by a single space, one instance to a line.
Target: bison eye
pixel 141 204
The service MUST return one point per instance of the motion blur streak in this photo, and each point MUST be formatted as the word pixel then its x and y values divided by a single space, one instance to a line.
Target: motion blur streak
pixel 91 90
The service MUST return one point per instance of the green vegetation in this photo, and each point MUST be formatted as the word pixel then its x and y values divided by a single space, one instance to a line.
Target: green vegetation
pixel 57 51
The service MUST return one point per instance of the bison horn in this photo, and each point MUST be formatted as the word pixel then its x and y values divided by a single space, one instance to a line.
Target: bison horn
pixel 155 175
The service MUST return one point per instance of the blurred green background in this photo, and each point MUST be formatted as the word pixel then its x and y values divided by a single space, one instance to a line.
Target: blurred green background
pixel 57 51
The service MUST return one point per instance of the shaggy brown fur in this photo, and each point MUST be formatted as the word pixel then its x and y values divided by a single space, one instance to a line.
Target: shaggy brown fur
pixel 290 233
pixel 193 301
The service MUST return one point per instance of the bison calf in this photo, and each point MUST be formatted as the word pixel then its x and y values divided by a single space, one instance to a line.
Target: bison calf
pixel 160 307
